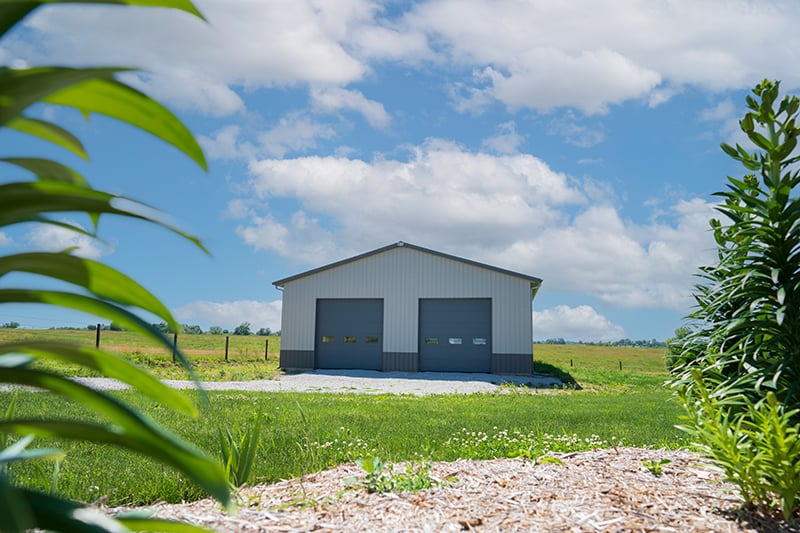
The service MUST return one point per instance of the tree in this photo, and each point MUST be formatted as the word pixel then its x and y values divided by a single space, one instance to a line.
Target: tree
pixel 673 356
pixel 264 332
pixel 10 325
pixel 243 329
pixel 163 327
pixel 191 329
pixel 740 381
pixel 97 289
pixel 215 330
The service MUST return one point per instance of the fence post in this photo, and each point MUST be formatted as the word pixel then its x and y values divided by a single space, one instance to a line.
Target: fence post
pixel 570 363
pixel 174 345
pixel 97 337
pixel 266 349
pixel 226 348
pixel 620 366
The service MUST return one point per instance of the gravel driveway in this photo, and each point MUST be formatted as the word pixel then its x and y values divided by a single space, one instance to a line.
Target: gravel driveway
pixel 361 382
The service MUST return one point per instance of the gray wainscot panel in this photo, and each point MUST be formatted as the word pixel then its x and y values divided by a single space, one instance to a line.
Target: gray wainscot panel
pixel 511 363
pixel 400 362
pixel 297 359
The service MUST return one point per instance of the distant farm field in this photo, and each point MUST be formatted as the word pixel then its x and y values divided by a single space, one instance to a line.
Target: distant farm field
pixel 633 359
pixel 246 353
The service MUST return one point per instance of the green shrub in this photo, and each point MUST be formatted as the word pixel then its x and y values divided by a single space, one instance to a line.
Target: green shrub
pixel 741 361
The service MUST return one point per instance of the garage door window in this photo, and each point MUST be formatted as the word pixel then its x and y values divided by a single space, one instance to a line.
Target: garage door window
pixel 327 340
pixel 454 340
pixel 431 340
pixel 349 340
pixel 371 340
pixel 479 341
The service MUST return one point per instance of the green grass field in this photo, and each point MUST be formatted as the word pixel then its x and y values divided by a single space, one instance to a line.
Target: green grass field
pixel 206 352
pixel 309 432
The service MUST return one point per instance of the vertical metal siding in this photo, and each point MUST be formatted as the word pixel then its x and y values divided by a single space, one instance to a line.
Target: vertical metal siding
pixel 401 277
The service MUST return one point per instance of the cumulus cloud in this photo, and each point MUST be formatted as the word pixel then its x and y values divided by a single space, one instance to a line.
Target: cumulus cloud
pixel 725 117
pixel 512 211
pixel 230 314
pixel 592 54
pixel 50 238
pixel 245 45
pixel 506 141
pixel 5 240
pixel 333 99
pixel 568 127
pixel 581 323
pixel 534 54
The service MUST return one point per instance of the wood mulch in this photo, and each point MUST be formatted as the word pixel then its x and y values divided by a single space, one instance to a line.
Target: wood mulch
pixel 600 490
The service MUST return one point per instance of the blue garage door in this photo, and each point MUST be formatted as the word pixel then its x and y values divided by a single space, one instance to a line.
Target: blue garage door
pixel 349 334
pixel 455 335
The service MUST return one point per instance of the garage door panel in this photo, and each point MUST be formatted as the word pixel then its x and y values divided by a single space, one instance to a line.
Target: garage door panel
pixel 349 334
pixel 455 335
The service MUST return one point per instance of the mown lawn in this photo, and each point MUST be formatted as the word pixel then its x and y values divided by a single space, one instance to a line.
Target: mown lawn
pixel 307 432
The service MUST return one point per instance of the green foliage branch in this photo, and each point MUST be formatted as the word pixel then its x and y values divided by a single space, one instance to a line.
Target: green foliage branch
pixel 741 358
pixel 35 190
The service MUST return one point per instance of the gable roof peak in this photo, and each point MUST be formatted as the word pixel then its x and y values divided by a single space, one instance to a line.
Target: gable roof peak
pixel 401 244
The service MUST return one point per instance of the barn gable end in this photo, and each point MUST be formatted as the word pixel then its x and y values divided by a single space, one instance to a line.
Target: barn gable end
pixel 406 308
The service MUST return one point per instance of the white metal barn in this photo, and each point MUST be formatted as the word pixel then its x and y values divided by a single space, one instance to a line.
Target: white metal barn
pixel 406 308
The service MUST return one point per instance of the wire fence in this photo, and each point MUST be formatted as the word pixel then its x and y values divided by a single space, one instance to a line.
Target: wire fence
pixel 194 346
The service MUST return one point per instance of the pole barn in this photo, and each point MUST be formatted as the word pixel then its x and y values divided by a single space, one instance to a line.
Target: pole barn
pixel 407 308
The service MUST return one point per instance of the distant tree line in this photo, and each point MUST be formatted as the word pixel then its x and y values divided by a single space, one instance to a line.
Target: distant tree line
pixel 644 343
pixel 186 329
pixel 242 329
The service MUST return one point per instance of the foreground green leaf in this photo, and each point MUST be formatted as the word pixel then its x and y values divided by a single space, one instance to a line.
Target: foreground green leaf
pixel 49 132
pixel 13 11
pixel 99 279
pixel 117 100
pixel 136 431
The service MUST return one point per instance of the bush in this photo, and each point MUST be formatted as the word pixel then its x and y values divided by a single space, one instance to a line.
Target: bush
pixel 740 373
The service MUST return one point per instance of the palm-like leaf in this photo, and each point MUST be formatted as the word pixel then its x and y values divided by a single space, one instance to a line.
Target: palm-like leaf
pixel 98 289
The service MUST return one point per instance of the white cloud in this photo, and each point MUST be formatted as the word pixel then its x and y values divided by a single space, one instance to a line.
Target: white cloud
pixel 295 132
pixel 50 238
pixel 591 54
pixel 567 126
pixel 230 314
pixel 581 323
pixel 333 99
pixel 512 211
pixel 226 144
pixel 725 116
pixel 5 240
pixel 301 238
pixel 539 54
pixel 548 78
pixel 197 65
pixel 506 141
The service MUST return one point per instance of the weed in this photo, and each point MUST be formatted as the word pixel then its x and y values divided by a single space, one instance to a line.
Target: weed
pixel 382 476
pixel 239 451
pixel 549 459
pixel 655 466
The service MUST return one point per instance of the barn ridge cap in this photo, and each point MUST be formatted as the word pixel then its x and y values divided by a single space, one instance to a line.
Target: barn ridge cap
pixel 535 282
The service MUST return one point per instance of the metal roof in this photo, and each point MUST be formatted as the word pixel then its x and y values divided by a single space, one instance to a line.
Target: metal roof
pixel 535 282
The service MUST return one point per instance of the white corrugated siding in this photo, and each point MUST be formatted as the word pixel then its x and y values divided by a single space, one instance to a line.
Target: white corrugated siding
pixel 401 277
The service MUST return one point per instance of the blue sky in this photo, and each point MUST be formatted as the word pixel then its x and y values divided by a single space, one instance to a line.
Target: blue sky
pixel 576 141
